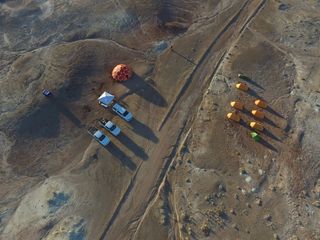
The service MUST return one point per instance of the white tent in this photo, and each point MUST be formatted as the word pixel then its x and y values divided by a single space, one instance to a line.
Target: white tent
pixel 105 99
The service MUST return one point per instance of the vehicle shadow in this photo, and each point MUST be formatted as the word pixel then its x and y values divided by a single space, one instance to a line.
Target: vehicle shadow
pixel 118 153
pixel 267 145
pixel 250 81
pixel 143 130
pixel 65 111
pixel 139 86
pixel 135 148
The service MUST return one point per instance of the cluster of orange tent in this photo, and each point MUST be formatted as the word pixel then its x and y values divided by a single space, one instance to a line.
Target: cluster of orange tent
pixel 258 114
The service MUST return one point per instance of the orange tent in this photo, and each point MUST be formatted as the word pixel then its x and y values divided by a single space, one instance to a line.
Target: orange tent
pixel 258 114
pixel 234 117
pixel 257 126
pixel 260 103
pixel 242 86
pixel 121 72
pixel 237 105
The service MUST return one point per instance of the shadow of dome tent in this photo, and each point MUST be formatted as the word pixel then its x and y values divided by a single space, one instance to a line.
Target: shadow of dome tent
pixel 121 72
pixel 137 85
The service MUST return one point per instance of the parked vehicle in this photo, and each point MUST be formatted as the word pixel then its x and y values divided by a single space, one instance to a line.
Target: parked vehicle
pixel 46 92
pixel 99 136
pixel 107 100
pixel 122 112
pixel 110 126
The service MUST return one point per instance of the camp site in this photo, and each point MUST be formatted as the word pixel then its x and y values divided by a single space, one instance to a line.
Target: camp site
pixel 159 120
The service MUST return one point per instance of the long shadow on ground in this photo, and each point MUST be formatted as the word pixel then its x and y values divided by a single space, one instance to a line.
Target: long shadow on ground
pixel 65 111
pixel 143 130
pixel 253 93
pixel 271 135
pixel 274 112
pixel 270 122
pixel 130 144
pixel 139 86
pixel 118 153
pixel 245 125
pixel 267 145
pixel 43 122
pixel 250 81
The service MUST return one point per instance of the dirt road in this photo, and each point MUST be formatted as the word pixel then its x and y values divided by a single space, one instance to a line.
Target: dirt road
pixel 174 125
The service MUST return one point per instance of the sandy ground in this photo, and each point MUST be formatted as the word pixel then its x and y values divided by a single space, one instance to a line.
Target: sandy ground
pixel 179 170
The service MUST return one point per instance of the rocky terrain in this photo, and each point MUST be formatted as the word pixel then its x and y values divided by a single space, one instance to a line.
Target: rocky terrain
pixel 179 169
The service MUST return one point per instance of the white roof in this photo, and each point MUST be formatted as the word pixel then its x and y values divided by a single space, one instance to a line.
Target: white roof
pixel 109 124
pixel 106 98
pixel 98 134
pixel 119 108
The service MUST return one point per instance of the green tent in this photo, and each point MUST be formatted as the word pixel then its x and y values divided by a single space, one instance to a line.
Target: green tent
pixel 255 136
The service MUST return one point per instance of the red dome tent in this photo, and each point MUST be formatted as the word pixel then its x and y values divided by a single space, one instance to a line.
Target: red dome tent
pixel 121 72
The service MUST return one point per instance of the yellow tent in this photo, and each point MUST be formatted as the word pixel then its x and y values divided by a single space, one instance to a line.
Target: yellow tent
pixel 260 103
pixel 237 105
pixel 258 114
pixel 234 117
pixel 257 126
pixel 242 86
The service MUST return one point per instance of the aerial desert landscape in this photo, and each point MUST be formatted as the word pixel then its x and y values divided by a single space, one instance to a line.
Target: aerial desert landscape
pixel 180 169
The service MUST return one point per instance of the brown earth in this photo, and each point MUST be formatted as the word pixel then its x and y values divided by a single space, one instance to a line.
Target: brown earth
pixel 173 173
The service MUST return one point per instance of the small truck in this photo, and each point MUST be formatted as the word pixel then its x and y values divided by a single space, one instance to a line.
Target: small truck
pixel 110 126
pixel 99 136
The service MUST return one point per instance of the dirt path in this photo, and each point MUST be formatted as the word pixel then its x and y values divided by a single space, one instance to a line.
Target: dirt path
pixel 151 173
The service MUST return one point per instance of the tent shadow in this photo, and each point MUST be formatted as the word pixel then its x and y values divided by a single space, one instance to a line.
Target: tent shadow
pixel 250 81
pixel 271 135
pixel 272 111
pixel 253 93
pixel 244 124
pixel 267 145
pixel 124 159
pixel 143 130
pixel 65 111
pixel 135 148
pixel 270 122
pixel 246 111
pixel 144 89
